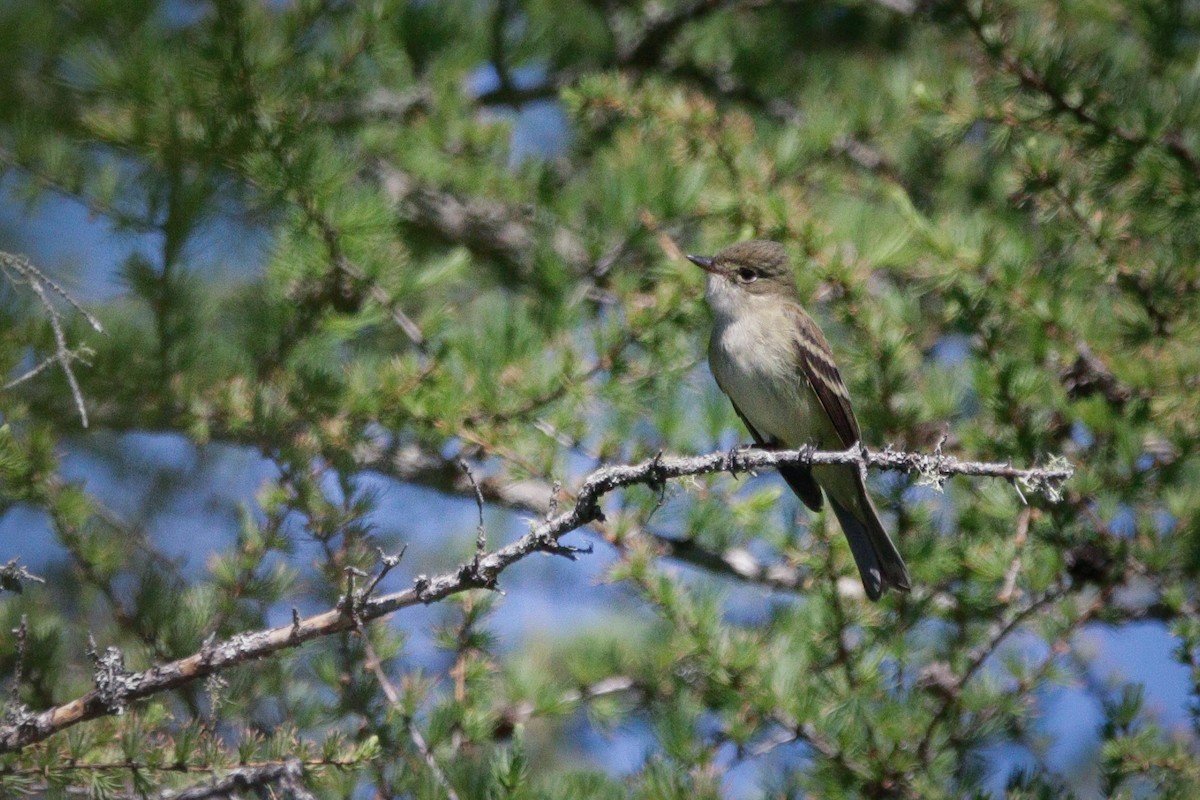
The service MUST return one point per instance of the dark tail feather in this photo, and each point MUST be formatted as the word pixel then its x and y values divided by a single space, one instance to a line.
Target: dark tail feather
pixel 804 485
pixel 879 563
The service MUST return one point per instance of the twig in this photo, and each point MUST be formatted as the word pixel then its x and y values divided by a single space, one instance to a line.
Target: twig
pixel 1171 142
pixel 15 712
pixel 423 748
pixel 480 573
pixel 18 269
pixel 410 464
pixel 1000 631
pixel 241 780
pixel 333 245
pixel 21 265
pixel 389 690
pixel 381 105
pixel 504 81
pixel 1014 569
pixel 481 532
pixel 661 31
pixel 511 234
pixel 94 205
pixel 389 563
pixel 511 715
pixel 177 767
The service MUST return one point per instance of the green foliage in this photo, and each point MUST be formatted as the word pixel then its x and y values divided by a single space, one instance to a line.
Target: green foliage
pixel 992 209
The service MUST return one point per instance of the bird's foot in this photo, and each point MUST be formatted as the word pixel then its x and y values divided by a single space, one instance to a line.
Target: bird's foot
pixel 731 458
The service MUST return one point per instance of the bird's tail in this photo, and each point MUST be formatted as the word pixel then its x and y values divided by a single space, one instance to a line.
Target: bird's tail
pixel 879 562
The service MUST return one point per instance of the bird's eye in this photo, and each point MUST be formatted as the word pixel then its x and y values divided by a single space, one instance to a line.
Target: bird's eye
pixel 747 275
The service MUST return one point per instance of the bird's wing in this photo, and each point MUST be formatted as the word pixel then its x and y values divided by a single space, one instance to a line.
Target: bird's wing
pixel 798 477
pixel 879 562
pixel 816 363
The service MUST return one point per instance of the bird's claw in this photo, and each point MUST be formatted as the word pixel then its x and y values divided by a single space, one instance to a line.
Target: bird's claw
pixel 731 457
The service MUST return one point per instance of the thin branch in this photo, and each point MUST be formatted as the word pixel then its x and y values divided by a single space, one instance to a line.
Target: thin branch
pixel 513 714
pixel 179 768
pixel 15 711
pixel 960 739
pixel 1009 588
pixel 382 105
pixel 244 779
pixel 121 688
pixel 500 18
pixel 480 531
pixel 806 733
pixel 95 206
pixel 410 464
pixel 662 30
pixel 1000 632
pixel 1171 142
pixel 734 562
pixel 393 695
pixel 17 269
pixel 333 244
pixel 485 226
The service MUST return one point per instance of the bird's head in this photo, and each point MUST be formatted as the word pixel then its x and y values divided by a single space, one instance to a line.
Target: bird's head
pixel 755 268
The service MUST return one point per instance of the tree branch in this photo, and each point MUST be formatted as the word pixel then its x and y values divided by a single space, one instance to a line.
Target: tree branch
pixel 952 688
pixel 661 31
pixel 17 269
pixel 119 688
pixel 245 779
pixel 337 256
pixel 489 227
pixel 1171 142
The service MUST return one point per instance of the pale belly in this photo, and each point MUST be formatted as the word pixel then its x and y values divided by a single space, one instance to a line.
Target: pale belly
pixel 756 368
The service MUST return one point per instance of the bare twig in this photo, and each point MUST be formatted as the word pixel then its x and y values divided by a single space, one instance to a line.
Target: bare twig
pixel 482 572
pixel 1014 569
pixel 480 531
pixel 17 269
pixel 410 464
pixel 389 563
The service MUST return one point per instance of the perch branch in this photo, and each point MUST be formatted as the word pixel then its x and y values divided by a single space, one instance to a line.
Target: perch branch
pixel 118 688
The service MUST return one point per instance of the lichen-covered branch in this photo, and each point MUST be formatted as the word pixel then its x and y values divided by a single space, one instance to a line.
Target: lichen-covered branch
pixel 119 688
pixel 286 775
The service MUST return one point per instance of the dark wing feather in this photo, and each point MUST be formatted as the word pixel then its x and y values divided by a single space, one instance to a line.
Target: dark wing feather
pixel 816 362
pixel 798 477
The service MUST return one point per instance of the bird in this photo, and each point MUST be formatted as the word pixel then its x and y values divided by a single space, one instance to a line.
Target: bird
pixel 772 361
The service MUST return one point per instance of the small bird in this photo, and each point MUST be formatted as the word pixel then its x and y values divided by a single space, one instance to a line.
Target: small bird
pixel 774 364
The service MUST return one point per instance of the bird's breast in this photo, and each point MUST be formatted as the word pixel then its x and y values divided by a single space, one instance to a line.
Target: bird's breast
pixel 753 358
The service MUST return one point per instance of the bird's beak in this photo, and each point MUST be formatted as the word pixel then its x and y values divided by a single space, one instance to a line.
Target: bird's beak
pixel 703 262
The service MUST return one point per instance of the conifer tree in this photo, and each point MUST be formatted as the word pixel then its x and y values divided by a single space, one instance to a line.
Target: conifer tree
pixel 402 306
